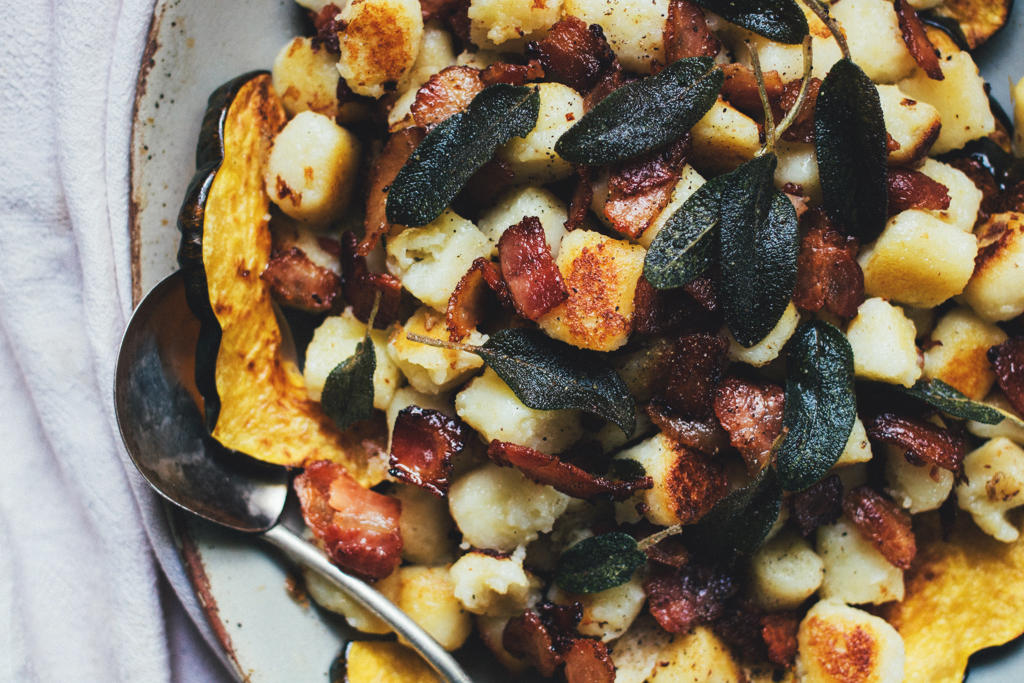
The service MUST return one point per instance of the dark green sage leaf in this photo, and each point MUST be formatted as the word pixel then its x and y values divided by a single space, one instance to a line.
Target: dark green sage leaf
pixel 626 469
pixel 820 404
pixel 348 392
pixel 644 115
pixel 780 20
pixel 456 149
pixel 739 523
pixel 687 244
pixel 760 241
pixel 850 143
pixel 938 394
pixel 549 375
pixel 598 563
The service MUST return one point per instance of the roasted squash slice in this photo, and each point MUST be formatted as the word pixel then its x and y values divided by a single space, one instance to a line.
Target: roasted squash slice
pixel 255 399
pixel 978 19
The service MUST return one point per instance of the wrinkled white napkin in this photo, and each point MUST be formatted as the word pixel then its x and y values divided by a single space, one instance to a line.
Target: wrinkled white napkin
pixel 81 595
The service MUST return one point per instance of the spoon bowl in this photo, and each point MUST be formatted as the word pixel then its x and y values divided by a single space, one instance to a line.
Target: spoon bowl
pixel 160 414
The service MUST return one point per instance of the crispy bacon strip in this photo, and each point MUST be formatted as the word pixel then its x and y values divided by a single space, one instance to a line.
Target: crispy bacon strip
pixel 706 436
pixel 740 627
pixel 543 636
pixel 470 303
pixel 297 282
pixel 608 82
pixel 533 278
pixel 683 597
pixel 1008 361
pixel 398 150
pixel 327 29
pixel 483 187
pixel 562 476
pixel 696 368
pixel 828 275
pixel 779 632
pixel 802 128
pixel 687 33
pixel 358 527
pixel 582 197
pixel 573 53
pixel 740 88
pixel 360 286
pixel 588 661
pixel 640 188
pixel 669 312
pixel 883 524
pixel 668 551
pixel 752 414
pixel 910 189
pixel 923 441
pixel 917 40
pixel 705 292
pixel 818 505
pixel 423 444
pixel 447 92
pixel 437 9
pixel 459 22
pixel 512 74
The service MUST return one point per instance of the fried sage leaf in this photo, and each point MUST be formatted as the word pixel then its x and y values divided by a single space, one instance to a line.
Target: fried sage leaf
pixel 820 404
pixel 687 244
pixel 598 563
pixel 760 242
pixel 780 20
pixel 456 149
pixel 348 391
pixel 850 144
pixel 739 523
pixel 644 115
pixel 546 374
pixel 938 394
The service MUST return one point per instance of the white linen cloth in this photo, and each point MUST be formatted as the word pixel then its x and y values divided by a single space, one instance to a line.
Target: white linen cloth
pixel 82 597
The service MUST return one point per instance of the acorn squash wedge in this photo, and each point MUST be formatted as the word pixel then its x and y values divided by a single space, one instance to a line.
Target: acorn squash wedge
pixel 255 398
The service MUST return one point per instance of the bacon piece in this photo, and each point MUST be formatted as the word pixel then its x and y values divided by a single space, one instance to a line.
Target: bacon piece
pixel 752 414
pixel 543 637
pixel 297 282
pixel 447 92
pixel 910 189
pixel 610 80
pixel 923 441
pixel 697 362
pixel 588 661
pixel 359 527
pixel 470 303
pixel 706 436
pixel 668 551
pixel 638 189
pixel 818 505
pixel 582 197
pixel 360 286
pixel 437 9
pixel 882 523
pixel 740 627
pixel 802 128
pixel 330 245
pixel 533 278
pixel 917 40
pixel 398 150
pixel 327 29
pixel 562 476
pixel 573 53
pixel 687 33
pixel 705 292
pixel 483 187
pixel 684 597
pixel 779 632
pixel 828 275
pixel 423 444
pixel 740 88
pixel 1008 360
pixel 669 311
pixel 512 74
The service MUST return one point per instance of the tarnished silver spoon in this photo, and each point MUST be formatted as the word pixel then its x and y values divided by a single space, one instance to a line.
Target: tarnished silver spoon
pixel 158 411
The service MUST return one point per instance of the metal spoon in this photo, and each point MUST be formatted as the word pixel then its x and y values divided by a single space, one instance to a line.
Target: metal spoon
pixel 158 411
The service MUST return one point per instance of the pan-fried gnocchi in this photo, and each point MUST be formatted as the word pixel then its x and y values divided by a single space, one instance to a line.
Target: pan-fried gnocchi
pixel 532 244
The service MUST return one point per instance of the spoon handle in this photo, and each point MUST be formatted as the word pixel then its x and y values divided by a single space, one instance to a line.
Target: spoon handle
pixel 308 555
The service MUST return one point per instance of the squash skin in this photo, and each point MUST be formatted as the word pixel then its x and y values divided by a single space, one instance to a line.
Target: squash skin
pixel 255 400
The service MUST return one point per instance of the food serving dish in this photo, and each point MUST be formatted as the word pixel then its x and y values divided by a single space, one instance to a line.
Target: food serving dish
pixel 265 634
